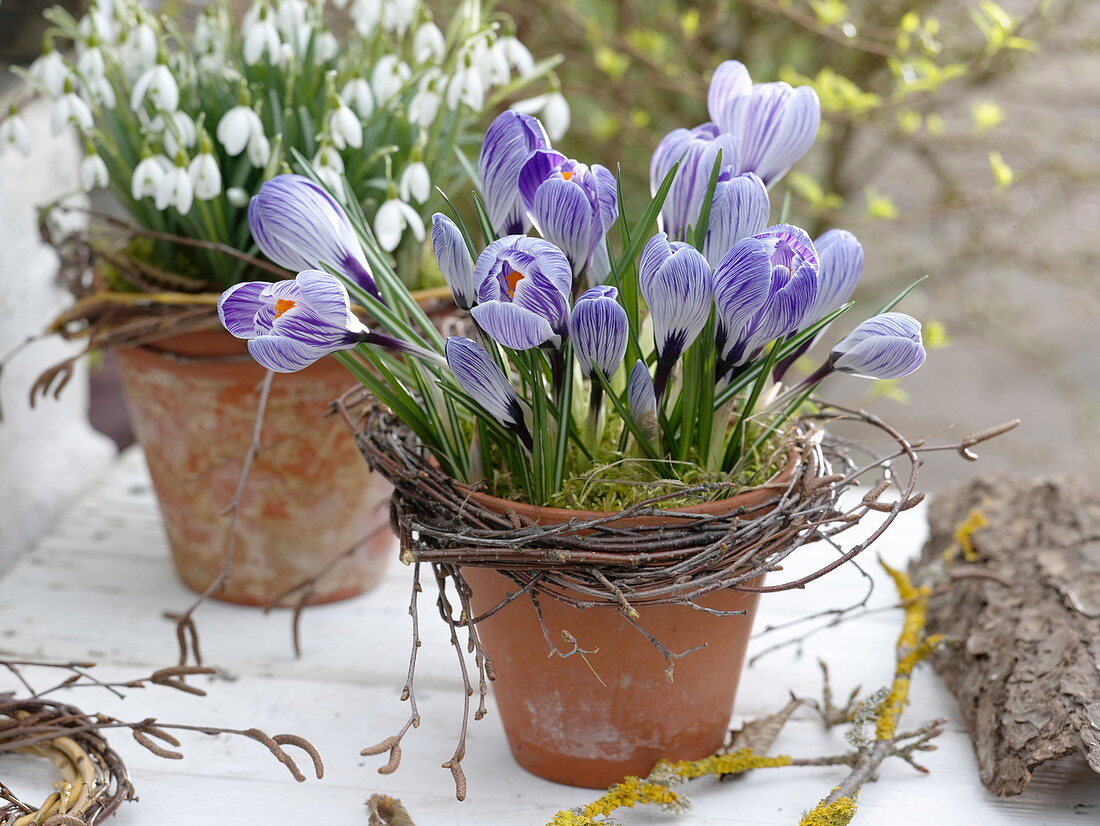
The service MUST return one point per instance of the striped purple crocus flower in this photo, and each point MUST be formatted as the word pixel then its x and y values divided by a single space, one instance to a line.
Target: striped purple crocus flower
pixel 598 328
pixel 291 324
pixel 774 124
pixel 886 346
pixel 764 287
pixel 573 206
pixel 298 225
pixel 675 280
pixel 642 399
pixel 696 150
pixel 523 288
pixel 453 257
pixel 485 383
pixel 509 142
pixel 740 208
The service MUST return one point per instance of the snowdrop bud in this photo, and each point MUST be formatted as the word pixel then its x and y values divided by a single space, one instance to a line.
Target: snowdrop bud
pixel 147 176
pixel 329 167
pixel 345 128
pixel 517 55
pixel 428 43
pixel 138 50
pixel 261 35
pixel 259 149
pixel 366 15
pixel 466 86
pixel 416 183
pixel 50 70
pixel 70 110
pixel 358 94
pixel 206 178
pixel 237 196
pixel 90 64
pixel 492 63
pixel 388 77
pixel 14 132
pixel 175 188
pixel 424 106
pixel 325 47
pixel 237 127
pixel 391 221
pixel 93 172
pixel 179 131
pixel 398 15
pixel 158 86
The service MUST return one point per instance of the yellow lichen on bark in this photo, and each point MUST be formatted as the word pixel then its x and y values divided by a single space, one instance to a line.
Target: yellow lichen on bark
pixel 838 813
pixel 964 541
pixel 911 648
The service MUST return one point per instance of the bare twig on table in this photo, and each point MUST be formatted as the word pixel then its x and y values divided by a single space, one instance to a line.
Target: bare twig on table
pixel 186 633
pixel 387 811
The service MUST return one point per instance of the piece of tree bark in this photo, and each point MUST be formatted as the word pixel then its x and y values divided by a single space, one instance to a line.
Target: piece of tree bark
pixel 1014 564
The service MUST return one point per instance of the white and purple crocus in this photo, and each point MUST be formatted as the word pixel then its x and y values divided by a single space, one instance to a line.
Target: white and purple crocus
pixel 291 324
pixel 509 142
pixel 298 225
pixel 887 346
pixel 484 382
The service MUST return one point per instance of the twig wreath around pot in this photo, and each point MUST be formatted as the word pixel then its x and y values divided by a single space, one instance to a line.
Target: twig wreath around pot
pixel 610 464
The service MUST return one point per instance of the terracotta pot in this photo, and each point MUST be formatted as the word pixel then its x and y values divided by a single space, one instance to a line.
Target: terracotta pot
pixel 193 401
pixel 591 720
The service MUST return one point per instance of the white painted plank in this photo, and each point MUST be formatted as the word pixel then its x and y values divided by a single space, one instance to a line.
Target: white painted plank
pixel 98 584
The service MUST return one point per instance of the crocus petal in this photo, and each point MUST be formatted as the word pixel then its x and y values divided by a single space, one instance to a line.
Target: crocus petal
pixel 740 208
pixel 509 142
pixel 801 120
pixel 483 380
pixel 742 283
pixel 454 260
pixel 607 196
pixel 513 326
pixel 790 303
pixel 284 355
pixel 698 152
pixel 887 346
pixel 840 266
pixel 326 295
pixel 300 226
pixel 540 255
pixel 598 329
pixel 642 398
pixel 678 294
pixel 731 79
pixel 537 169
pixel 564 216
pixel 237 307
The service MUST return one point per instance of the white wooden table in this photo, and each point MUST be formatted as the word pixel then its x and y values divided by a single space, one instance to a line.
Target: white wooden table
pixel 97 586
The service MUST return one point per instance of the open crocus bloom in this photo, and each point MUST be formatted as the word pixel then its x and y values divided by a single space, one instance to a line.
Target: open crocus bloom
pixel 509 142
pixel 696 150
pixel 573 205
pixel 523 286
pixel 291 324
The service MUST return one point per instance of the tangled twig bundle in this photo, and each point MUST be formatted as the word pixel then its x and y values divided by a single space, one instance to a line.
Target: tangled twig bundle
pixel 93 779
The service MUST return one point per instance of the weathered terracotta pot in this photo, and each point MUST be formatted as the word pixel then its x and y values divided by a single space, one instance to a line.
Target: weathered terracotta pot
pixel 193 401
pixel 590 721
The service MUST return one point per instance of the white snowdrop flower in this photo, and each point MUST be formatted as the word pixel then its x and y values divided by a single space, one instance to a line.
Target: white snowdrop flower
pixel 204 39
pixel 14 133
pixel 492 64
pixel 99 22
pixel 329 167
pixel 554 109
pixel 416 183
pixel 345 128
pixel 93 172
pixel 259 149
pixel 325 47
pixel 178 131
pixel 158 85
pixel 291 17
pixel 398 15
pixel 424 106
pixel 175 189
pixel 518 56
pixel 366 15
pixel 138 51
pixel 237 127
pixel 237 196
pixel 147 176
pixel 51 71
pixel 90 64
pixel 388 77
pixel 358 94
pixel 428 43
pixel 261 35
pixel 99 91
pixel 70 110
pixel 391 221
pixel 339 4
pixel 466 86
pixel 206 178
pixel 286 56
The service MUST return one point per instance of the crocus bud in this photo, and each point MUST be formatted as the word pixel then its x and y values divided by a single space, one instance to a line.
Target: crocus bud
pixel 840 257
pixel 598 329
pixel 675 281
pixel 773 124
pixel 454 260
pixel 740 208
pixel 887 346
pixel 509 142
pixel 486 384
pixel 642 399
pixel 523 287
pixel 299 226
pixel 696 151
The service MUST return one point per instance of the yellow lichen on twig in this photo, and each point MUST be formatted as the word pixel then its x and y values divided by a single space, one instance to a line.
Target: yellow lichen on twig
pixel 838 813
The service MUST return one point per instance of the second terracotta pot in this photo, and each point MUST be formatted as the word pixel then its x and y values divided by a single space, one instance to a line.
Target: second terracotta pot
pixel 193 401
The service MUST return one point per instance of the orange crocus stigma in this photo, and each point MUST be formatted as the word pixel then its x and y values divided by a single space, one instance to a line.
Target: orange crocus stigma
pixel 565 176
pixel 514 277
pixel 282 305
